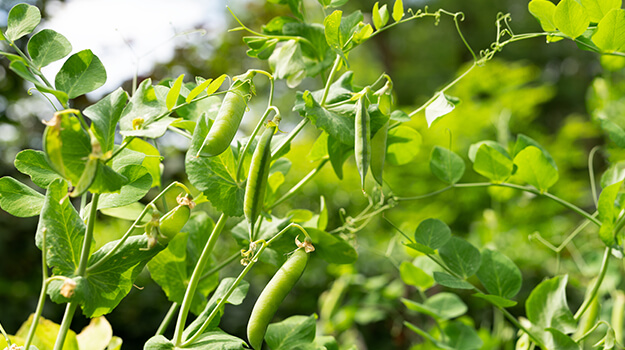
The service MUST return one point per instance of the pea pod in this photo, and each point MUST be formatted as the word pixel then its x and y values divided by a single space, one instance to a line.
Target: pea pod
pixel 228 117
pixel 172 222
pixel 362 146
pixel 378 153
pixel 257 177
pixel 272 296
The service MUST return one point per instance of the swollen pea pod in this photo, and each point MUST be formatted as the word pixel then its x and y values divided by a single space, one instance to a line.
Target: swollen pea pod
pixel 272 296
pixel 257 176
pixel 170 224
pixel 228 117
pixel 362 146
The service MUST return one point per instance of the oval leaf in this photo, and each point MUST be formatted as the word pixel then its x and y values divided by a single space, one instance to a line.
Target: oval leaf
pixel 499 275
pixel 535 169
pixel 493 164
pixel 446 165
pixel 571 18
pixel 48 46
pixel 18 199
pixel 23 19
pixel 81 73
pixel 403 144
pixel 460 257
pixel 331 248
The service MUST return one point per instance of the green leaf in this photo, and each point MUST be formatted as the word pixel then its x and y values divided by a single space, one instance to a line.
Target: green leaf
pixel 615 173
pixel 547 306
pixel 523 141
pixel 172 268
pixel 414 276
pixel 236 298
pixel 64 228
pixel 496 300
pixel 332 25
pixel 18 199
pixel 217 339
pixel 560 341
pixel 380 16
pixel 145 115
pixel 199 89
pixel 499 275
pixel 66 146
pixel 493 144
pixel 292 333
pixel 48 46
pixel 34 164
pixel 398 10
pixel 432 234
pixel 442 306
pixel 338 152
pixel 81 73
pixel 349 26
pixel 174 92
pixel 139 182
pixel 610 34
pixel 215 84
pixel 491 163
pixel 104 116
pixel 214 176
pixel 403 145
pixel 446 165
pixel 106 285
pixel 535 169
pixel 45 335
pixel 332 248
pixel 438 108
pixel 287 62
pixel 615 132
pixel 571 18
pixel 106 180
pixel 608 212
pixel 597 9
pixel 543 11
pixel 152 160
pixel 450 281
pixel 97 335
pixel 23 19
pixel 460 257
pixel 461 336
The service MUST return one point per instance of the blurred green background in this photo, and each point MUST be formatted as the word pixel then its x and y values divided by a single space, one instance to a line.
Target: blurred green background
pixel 531 88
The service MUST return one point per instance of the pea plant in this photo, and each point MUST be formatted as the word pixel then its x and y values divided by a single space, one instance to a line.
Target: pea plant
pixel 99 161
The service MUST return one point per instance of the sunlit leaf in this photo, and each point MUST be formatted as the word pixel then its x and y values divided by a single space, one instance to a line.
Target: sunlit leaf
pixel 535 169
pixel 83 72
pixel 18 199
pixel 446 165
pixel 571 18
pixel 438 108
pixel 48 46
pixel 23 19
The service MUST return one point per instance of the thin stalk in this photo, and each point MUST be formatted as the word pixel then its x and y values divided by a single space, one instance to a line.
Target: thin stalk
pixel 180 132
pixel 5 335
pixel 223 300
pixel 81 271
pixel 299 185
pixel 292 135
pixel 539 193
pixel 134 224
pixel 195 279
pixel 167 320
pixel 70 309
pixel 591 175
pixel 86 245
pixel 595 288
pixel 423 196
pixel 218 268
pixel 326 90
pixel 42 294
pixel 237 281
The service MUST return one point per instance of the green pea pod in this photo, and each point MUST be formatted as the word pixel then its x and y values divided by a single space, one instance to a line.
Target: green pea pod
pixel 228 117
pixel 378 153
pixel 362 145
pixel 172 222
pixel 257 177
pixel 272 296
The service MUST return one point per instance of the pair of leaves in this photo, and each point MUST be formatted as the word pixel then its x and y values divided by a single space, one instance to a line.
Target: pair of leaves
pixel 569 16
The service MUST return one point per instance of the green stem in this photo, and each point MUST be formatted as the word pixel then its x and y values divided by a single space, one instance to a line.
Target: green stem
pixel 180 132
pixel 292 135
pixel 70 309
pixel 42 294
pixel 5 335
pixel 218 268
pixel 134 225
pixel 195 279
pixel 595 288
pixel 299 185
pixel 247 268
pixel 559 200
pixel 326 90
pixel 81 271
pixel 223 300
pixel 167 320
